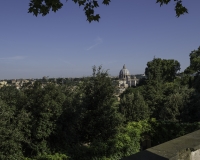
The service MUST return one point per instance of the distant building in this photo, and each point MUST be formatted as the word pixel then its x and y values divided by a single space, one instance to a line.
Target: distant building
pixel 13 81
pixel 3 83
pixel 125 79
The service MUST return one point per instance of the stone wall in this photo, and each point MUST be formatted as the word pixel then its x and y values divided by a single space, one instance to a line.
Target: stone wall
pixel 183 148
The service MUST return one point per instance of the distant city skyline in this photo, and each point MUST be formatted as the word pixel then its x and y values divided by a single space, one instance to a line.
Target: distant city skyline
pixel 64 44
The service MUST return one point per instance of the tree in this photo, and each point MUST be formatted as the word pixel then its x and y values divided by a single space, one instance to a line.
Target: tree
pixel 162 69
pixel 10 95
pixel 10 147
pixel 44 103
pixel 133 107
pixel 194 69
pixel 67 137
pixel 89 120
pixel 176 101
pixel 44 6
pixel 101 119
pixel 128 141
pixel 194 62
pixel 153 95
pixel 191 112
pixel 158 71
pixel 13 129
pixel 162 131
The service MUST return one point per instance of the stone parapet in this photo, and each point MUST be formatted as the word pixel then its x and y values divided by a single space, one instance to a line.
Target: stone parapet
pixel 183 148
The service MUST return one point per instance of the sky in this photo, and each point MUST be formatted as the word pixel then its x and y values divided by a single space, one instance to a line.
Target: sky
pixel 64 44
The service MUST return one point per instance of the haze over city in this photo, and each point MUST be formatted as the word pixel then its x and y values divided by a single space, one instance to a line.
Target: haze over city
pixel 64 44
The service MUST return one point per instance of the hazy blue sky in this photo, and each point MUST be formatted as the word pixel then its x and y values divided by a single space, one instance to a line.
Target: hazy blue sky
pixel 64 44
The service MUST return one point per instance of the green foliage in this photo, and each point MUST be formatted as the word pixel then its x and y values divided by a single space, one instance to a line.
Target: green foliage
pixel 175 102
pixel 11 135
pixel 169 97
pixel 191 112
pixel 10 95
pixel 162 131
pixel 56 156
pixel 193 71
pixel 89 121
pixel 154 97
pixel 196 83
pixel 194 61
pixel 68 129
pixel 162 69
pixel 169 101
pixel 100 120
pixel 133 107
pixel 45 106
pixel 128 140
pixel 124 143
pixel 186 80
pixel 44 6
pixel 179 8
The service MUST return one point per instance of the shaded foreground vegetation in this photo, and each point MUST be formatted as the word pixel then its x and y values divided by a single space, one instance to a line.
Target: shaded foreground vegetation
pixel 88 122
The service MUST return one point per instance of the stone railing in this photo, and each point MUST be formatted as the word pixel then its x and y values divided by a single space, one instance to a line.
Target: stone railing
pixel 183 148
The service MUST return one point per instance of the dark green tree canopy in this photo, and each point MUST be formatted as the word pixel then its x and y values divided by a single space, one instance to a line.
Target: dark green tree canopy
pixel 194 62
pixel 133 107
pixel 162 69
pixel 44 6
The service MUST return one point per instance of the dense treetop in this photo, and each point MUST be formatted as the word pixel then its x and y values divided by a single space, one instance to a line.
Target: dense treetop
pixel 194 62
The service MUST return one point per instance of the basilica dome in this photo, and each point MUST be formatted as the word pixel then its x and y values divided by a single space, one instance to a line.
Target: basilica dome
pixel 124 73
